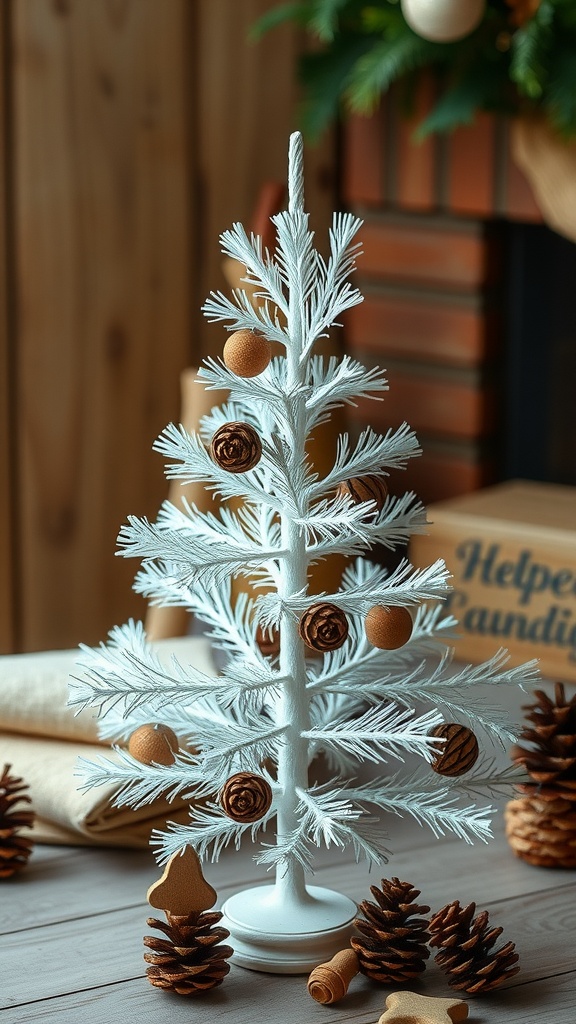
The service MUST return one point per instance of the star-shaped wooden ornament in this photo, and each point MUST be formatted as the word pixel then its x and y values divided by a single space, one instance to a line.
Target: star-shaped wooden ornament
pixel 411 1008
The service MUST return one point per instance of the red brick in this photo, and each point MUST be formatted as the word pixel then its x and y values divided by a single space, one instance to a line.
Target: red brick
pixel 434 252
pixel 416 161
pixel 471 168
pixel 424 328
pixel 363 170
pixel 437 475
pixel 433 404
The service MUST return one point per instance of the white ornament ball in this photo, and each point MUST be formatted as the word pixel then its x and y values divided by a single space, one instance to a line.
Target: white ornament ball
pixel 443 21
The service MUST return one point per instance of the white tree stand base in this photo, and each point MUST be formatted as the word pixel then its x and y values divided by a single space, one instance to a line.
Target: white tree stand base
pixel 269 934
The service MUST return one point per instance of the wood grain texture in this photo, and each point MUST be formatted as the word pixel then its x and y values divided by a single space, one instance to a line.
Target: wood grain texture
pixel 535 908
pixel 102 225
pixel 7 481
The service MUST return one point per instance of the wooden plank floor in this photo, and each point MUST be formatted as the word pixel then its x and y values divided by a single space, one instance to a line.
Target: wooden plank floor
pixel 71 930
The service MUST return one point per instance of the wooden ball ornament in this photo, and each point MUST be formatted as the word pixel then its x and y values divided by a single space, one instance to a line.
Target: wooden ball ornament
pixel 388 628
pixel 443 21
pixel 153 743
pixel 365 488
pixel 246 797
pixel 459 753
pixel 246 353
pixel 324 627
pixel 236 447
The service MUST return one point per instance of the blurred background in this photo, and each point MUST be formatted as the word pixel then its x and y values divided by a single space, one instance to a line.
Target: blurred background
pixel 134 132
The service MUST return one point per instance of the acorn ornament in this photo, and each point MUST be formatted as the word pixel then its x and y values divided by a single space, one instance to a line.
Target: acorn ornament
pixel 236 447
pixel 443 21
pixel 388 628
pixel 153 743
pixel 459 753
pixel 324 627
pixel 365 488
pixel 246 353
pixel 246 797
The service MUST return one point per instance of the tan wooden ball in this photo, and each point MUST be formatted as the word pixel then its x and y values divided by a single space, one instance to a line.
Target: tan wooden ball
pixel 388 628
pixel 246 353
pixel 153 743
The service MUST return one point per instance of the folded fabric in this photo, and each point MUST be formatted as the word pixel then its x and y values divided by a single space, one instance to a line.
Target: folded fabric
pixel 66 815
pixel 42 739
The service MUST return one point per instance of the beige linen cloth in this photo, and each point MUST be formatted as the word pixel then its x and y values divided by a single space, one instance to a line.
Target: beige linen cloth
pixel 42 739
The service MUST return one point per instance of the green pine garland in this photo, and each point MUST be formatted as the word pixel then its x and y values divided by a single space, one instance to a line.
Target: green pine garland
pixel 500 67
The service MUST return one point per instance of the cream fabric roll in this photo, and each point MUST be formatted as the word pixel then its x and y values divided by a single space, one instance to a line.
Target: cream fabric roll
pixel 42 739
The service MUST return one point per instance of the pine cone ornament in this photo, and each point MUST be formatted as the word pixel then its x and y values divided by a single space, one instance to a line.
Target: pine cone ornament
pixel 324 627
pixel 393 947
pixel 541 822
pixel 459 753
pixel 466 952
pixel 236 447
pixel 14 848
pixel 246 797
pixel 189 960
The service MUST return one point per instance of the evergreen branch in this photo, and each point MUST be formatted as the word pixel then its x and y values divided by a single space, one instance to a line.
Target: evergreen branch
pixel 241 314
pixel 210 827
pixel 137 784
pixel 394 525
pixel 262 270
pixel 387 60
pixel 372 450
pixel 438 809
pixel 405 586
pixel 240 747
pixel 335 383
pixel 195 465
pixel 193 558
pixel 335 821
pixel 381 730
pixel 261 390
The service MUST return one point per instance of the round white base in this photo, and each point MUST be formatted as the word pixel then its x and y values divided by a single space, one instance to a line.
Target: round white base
pixel 269 935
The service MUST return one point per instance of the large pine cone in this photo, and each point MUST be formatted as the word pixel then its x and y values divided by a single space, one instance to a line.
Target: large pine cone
pixel 14 848
pixel 541 830
pixel 541 822
pixel 393 947
pixel 551 757
pixel 190 960
pixel 466 950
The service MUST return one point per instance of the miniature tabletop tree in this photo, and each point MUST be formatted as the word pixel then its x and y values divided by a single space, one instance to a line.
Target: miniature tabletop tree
pixel 363 675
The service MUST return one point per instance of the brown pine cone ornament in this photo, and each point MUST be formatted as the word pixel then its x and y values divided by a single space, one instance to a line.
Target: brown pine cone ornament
pixel 541 822
pixel 393 947
pixel 388 628
pixel 466 953
pixel 365 488
pixel 14 848
pixel 324 627
pixel 459 753
pixel 153 743
pixel 236 447
pixel 191 959
pixel 246 797
pixel 246 353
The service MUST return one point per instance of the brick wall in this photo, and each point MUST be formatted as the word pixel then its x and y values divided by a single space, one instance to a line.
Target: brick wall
pixel 432 271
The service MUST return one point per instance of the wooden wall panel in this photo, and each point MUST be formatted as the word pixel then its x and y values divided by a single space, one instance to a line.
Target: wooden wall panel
pixel 102 233
pixel 7 579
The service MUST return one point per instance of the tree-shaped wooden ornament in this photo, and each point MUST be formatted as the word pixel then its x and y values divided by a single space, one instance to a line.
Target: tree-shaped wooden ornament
pixel 182 889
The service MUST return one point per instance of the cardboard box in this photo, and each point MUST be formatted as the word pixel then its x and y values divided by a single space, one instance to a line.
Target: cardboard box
pixel 511 550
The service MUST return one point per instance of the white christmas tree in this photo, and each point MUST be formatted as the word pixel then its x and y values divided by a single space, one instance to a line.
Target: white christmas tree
pixel 358 676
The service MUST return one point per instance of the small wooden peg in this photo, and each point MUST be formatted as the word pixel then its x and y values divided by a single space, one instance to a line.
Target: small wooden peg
pixel 329 982
pixel 411 1008
pixel 182 890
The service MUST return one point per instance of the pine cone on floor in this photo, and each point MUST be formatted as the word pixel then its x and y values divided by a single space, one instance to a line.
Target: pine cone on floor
pixel 393 947
pixel 466 952
pixel 14 848
pixel 190 960
pixel 541 822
